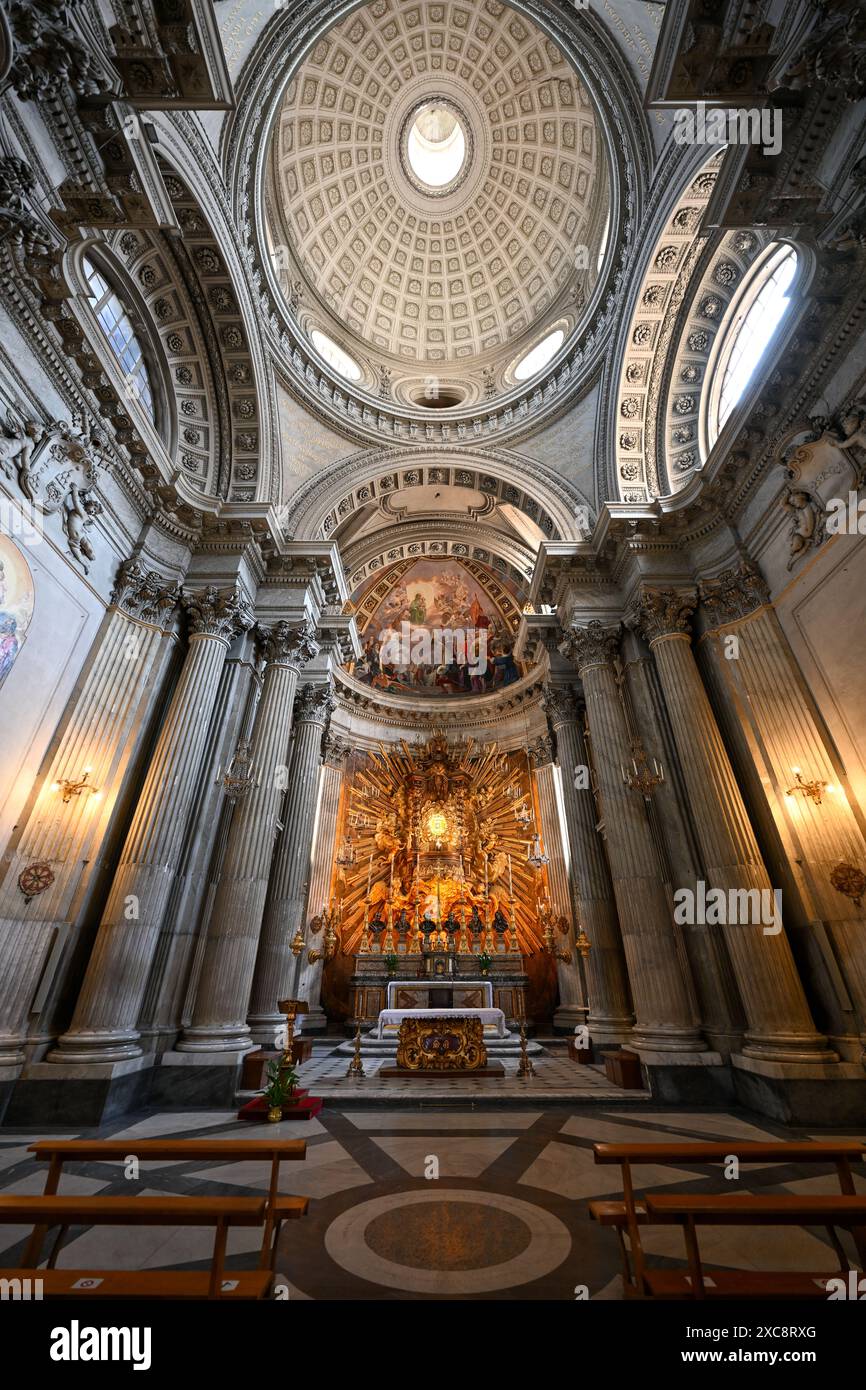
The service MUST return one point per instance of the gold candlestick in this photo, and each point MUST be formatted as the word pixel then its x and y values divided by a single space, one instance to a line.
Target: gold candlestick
pixel 524 1066
pixel 356 1066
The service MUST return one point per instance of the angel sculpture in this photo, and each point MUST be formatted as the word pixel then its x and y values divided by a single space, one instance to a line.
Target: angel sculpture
pixel 16 450
pixel 79 509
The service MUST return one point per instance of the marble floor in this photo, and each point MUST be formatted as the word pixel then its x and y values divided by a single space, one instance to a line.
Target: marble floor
pixel 431 1203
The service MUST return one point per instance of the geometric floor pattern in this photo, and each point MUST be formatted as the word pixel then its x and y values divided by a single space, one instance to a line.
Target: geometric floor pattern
pixel 426 1203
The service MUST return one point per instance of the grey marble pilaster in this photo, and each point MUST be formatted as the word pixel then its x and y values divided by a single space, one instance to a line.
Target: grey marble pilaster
pixel 610 1016
pixel 219 1021
pixel 324 850
pixel 103 1027
pixel 779 1024
pixel 663 1015
pixel 276 966
pixel 572 1007
pixel 101 730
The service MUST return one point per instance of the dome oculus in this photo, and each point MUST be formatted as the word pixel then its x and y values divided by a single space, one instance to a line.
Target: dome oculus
pixel 436 145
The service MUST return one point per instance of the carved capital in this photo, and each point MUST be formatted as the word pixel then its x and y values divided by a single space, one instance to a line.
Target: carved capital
pixel 314 703
pixel 335 749
pixel 290 644
pixel 664 613
pixel 217 612
pixel 144 594
pixel 595 644
pixel 734 594
pixel 560 705
pixel 540 751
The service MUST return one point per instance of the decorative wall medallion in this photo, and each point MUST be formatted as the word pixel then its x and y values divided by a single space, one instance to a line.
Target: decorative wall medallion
pixel 35 879
pixel 848 879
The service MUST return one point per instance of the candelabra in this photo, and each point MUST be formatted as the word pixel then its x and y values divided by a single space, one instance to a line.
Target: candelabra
pixel 69 788
pixel 813 790
pixel 641 778
pixel 238 778
pixel 346 853
pixel 535 854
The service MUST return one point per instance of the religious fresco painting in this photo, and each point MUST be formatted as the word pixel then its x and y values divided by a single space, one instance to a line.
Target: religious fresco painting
pixel 437 628
pixel 16 604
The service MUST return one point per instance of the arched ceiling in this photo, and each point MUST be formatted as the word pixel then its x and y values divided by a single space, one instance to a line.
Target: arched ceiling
pixel 429 277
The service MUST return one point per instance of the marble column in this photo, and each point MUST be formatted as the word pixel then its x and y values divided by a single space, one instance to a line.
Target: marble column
pixel 219 1021
pixel 105 722
pixel 103 1027
pixel 610 1016
pixel 664 1021
pixel 276 967
pixel 779 1024
pixel 572 1007
pixel 765 683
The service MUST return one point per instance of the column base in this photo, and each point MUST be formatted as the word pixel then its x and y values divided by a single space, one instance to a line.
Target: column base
pixel 810 1049
pixel 567 1017
pixel 95 1048
pixel 697 1078
pixel 264 1028
pixel 801 1093
pixel 223 1037
pixel 316 1021
pixel 663 1039
pixel 75 1093
pixel 604 1030
pixel 191 1080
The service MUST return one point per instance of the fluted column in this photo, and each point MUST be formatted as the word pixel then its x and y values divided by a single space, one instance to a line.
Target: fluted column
pixel 103 1028
pixel 779 1024
pixel 324 851
pixel 103 724
pixel 663 1015
pixel 572 1006
pixel 276 967
pixel 610 1017
pixel 219 1022
pixel 823 837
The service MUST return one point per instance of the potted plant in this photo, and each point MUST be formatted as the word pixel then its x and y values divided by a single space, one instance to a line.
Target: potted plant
pixel 484 963
pixel 391 963
pixel 281 1087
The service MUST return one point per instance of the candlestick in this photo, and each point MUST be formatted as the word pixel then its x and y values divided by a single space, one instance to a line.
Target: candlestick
pixel 510 885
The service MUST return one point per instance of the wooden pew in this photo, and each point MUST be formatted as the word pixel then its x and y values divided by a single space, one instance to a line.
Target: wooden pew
pixel 275 1151
pixel 626 1217
pixel 746 1209
pixel 219 1212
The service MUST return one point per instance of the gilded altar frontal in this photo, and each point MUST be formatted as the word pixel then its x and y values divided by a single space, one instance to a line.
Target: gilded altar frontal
pixel 432 704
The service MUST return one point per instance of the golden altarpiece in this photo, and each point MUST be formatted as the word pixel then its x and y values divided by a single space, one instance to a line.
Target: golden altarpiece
pixel 440 885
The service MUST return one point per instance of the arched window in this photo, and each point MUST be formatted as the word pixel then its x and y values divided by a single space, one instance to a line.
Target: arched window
pixel 335 356
pixel 753 323
pixel 117 326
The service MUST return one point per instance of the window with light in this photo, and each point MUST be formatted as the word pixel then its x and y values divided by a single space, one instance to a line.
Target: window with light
pixel 117 326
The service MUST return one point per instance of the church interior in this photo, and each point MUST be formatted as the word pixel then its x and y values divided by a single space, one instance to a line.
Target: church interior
pixel 432 710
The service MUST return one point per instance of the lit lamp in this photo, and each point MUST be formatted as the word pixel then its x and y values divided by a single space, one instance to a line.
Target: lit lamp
pixel 813 790
pixel 69 788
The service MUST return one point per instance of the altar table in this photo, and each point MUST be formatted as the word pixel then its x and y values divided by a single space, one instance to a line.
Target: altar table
pixel 492 1020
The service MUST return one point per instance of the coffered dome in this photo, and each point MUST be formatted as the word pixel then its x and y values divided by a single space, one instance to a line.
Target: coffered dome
pixel 438 190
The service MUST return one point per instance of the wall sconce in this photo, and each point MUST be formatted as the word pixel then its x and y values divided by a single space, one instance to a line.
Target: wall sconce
pixel 238 778
pixel 68 788
pixel 813 790
pixel 313 956
pixel 641 778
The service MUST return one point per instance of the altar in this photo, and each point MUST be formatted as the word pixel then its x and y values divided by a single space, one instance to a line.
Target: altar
pixel 455 993
pixel 492 1020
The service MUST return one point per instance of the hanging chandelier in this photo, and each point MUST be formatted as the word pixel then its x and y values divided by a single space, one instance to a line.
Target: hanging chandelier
pixel 238 777
pixel 535 854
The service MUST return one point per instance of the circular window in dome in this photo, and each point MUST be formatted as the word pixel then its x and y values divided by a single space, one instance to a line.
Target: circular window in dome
pixel 539 356
pixel 335 356
pixel 436 145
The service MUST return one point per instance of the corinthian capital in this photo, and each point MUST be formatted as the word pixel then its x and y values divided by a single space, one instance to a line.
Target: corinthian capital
pixel 144 594
pixel 560 705
pixel 734 594
pixel 594 644
pixel 314 703
pixel 540 750
pixel 664 613
pixel 291 644
pixel 216 612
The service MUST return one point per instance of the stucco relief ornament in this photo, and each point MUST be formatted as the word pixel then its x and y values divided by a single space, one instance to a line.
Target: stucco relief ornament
pixel 807 522
pixel 35 879
pixel 56 469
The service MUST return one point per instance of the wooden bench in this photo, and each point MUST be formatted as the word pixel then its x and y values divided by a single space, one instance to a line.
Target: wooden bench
pixel 45 1212
pixel 746 1209
pixel 275 1151
pixel 627 1216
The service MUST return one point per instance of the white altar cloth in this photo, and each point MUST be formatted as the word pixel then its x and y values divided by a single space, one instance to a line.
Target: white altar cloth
pixel 491 1019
